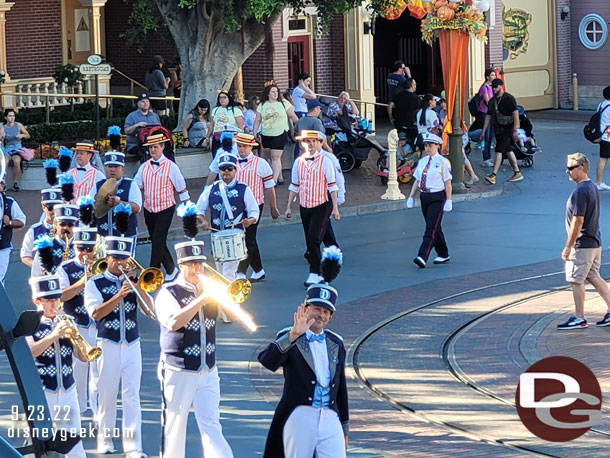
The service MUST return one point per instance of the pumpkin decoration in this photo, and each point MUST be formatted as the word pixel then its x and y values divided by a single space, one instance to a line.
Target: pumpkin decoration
pixel 445 13
pixel 453 5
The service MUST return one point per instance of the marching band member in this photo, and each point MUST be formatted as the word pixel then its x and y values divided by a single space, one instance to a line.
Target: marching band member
pixel 128 192
pixel 314 181
pixel 66 217
pixel 158 178
pixel 113 306
pixel 257 174
pixel 13 218
pixel 329 238
pixel 231 203
pixel 52 352
pixel 84 174
pixel 72 277
pixel 312 416
pixel 49 198
pixel 187 370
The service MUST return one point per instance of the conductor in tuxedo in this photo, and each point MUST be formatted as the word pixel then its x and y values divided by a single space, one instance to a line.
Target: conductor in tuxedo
pixel 312 416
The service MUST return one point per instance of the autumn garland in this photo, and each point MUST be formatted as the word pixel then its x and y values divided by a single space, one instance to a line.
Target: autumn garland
pixel 445 15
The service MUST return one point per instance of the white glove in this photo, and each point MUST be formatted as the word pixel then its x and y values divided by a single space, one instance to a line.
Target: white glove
pixel 410 202
pixel 448 205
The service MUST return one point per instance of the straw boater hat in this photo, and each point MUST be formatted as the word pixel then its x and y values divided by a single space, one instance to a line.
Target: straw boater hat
pixel 85 145
pixel 155 139
pixel 245 139
pixel 306 134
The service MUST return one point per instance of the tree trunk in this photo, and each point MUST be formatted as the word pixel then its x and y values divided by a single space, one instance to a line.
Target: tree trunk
pixel 209 55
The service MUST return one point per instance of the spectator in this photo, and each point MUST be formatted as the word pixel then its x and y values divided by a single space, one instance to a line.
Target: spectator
pixel 335 109
pixel 404 109
pixel 395 80
pixel 272 116
pixel 11 135
pixel 250 114
pixel 301 94
pixel 157 84
pixel 504 116
pixel 136 121
pixel 604 144
pixel 311 122
pixel 486 94
pixel 176 78
pixel 225 112
pixel 426 116
pixel 197 126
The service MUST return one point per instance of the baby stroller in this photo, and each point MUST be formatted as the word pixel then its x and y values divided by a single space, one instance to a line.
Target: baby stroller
pixel 525 153
pixel 352 145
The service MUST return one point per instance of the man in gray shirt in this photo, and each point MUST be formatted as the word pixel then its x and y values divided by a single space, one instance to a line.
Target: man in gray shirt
pixel 135 121
pixel 311 122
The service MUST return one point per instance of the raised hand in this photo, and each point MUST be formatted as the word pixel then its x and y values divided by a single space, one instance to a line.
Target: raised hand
pixel 301 323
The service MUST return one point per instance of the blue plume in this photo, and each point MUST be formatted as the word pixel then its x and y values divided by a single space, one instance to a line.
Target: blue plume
pixel 66 179
pixel 227 135
pixel 44 241
pixel 114 130
pixel 333 252
pixel 51 164
pixel 63 151
pixel 187 209
pixel 84 200
pixel 122 208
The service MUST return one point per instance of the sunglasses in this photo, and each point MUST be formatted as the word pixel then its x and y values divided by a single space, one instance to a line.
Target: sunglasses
pixel 50 207
pixel 66 224
pixel 572 167
pixel 87 249
pixel 227 169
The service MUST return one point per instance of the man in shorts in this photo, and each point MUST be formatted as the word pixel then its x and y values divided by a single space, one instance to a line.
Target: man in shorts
pixel 583 251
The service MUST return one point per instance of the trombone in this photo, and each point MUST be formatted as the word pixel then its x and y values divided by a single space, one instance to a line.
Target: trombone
pixel 149 281
pixel 238 290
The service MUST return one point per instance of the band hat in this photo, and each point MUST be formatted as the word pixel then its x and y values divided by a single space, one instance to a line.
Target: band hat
pixel 230 128
pixel 45 287
pixel 428 137
pixel 225 160
pixel 323 295
pixel 155 139
pixel 85 145
pixel 118 247
pixel 66 213
pixel 191 251
pixel 307 134
pixel 84 236
pixel 246 139
pixel 114 158
pixel 51 196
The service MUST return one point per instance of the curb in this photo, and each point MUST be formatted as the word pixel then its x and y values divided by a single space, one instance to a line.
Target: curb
pixel 177 233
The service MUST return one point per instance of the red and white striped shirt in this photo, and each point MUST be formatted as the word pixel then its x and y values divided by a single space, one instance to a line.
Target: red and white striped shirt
pixel 158 183
pixel 85 180
pixel 257 174
pixel 313 178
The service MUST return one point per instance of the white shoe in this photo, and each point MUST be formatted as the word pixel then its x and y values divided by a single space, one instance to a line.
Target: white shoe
pixel 240 276
pixel 440 260
pixel 136 454
pixel 472 181
pixel 105 449
pixel 488 163
pixel 258 276
pixel 312 279
pixel 171 277
pixel 603 186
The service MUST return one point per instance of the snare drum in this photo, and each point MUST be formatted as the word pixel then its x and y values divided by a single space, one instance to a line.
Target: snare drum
pixel 229 245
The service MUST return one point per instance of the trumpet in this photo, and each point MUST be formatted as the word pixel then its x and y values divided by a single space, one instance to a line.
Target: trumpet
pixel 53 228
pixel 150 280
pixel 66 255
pixel 90 353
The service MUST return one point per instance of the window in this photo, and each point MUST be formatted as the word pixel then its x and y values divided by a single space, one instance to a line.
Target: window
pixel 593 31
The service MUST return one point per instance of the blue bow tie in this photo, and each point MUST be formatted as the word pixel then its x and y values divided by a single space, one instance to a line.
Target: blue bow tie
pixel 317 337
pixel 309 158
pixel 243 161
pixel 83 169
pixel 154 162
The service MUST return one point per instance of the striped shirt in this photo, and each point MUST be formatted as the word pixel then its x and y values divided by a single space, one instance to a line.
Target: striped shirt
pixel 85 180
pixel 313 178
pixel 158 183
pixel 257 174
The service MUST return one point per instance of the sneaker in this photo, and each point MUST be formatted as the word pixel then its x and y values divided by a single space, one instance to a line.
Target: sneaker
pixel 603 186
pixel 488 163
pixel 421 263
pixel 573 323
pixel 516 177
pixel 441 260
pixel 16 188
pixel 472 181
pixel 605 321
pixel 491 178
pixel 257 276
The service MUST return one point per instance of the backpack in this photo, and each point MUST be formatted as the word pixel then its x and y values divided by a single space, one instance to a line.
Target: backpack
pixel 592 131
pixel 473 105
pixel 152 130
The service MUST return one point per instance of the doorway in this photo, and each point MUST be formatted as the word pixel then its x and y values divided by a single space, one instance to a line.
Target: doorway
pixel 77 32
pixel 298 58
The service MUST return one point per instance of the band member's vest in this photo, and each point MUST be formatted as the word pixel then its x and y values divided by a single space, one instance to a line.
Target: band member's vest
pixel 6 234
pixel 122 322
pixel 46 362
pixel 39 229
pixel 235 196
pixel 103 224
pixel 184 348
pixel 75 307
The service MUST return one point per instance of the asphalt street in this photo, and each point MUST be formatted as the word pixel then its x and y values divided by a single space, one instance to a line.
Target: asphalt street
pixel 522 226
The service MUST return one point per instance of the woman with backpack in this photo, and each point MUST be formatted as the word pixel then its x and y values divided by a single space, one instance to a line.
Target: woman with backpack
pixel 226 112
pixel 197 126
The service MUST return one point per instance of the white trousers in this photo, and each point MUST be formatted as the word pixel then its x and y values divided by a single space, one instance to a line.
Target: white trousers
pixel 5 258
pixel 180 390
pixel 309 430
pixel 84 371
pixel 65 412
pixel 227 269
pixel 119 363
